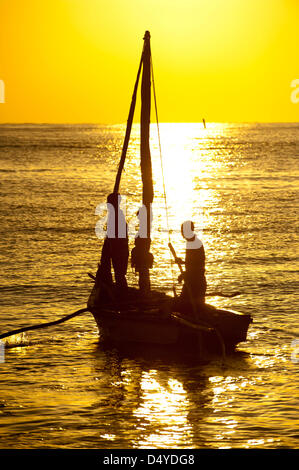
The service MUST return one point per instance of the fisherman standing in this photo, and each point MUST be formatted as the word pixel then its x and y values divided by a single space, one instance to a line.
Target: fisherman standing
pixel 115 248
pixel 195 284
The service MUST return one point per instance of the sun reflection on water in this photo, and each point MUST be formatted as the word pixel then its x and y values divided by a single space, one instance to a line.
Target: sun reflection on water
pixel 183 167
pixel 164 409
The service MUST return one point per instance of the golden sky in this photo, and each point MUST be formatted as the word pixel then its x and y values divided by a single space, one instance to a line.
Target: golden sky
pixel 76 60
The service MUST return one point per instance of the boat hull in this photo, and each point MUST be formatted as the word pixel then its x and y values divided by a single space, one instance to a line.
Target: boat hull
pixel 158 322
pixel 140 327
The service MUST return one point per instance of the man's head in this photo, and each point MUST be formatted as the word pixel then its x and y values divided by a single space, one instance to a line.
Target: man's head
pixel 187 229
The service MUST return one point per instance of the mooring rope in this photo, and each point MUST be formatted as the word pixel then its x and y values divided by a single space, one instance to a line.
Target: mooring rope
pixel 44 325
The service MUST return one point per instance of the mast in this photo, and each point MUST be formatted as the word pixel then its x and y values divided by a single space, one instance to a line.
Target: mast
pixel 145 155
pixel 143 240
pixel 146 164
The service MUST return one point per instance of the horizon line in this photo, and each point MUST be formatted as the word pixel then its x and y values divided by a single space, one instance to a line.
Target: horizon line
pixel 124 123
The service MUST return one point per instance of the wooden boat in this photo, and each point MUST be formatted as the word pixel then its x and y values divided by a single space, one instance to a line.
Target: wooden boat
pixel 159 321
pixel 158 318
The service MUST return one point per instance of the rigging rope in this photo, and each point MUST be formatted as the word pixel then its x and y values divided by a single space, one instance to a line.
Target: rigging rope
pixel 163 179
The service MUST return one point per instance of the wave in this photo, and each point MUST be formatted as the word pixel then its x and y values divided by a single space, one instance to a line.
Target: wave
pixel 47 145
pixel 31 170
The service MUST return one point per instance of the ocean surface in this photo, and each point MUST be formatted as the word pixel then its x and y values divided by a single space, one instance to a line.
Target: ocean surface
pixel 58 387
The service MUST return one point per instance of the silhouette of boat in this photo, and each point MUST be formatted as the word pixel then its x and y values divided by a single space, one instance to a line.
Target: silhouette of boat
pixel 156 319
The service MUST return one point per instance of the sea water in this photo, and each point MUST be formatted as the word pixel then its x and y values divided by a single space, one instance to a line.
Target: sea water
pixel 58 386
